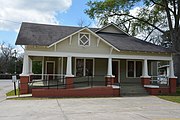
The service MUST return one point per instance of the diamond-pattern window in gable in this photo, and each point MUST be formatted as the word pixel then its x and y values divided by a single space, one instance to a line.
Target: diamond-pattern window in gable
pixel 84 39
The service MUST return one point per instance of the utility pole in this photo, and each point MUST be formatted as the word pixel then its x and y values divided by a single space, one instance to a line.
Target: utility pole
pixel 15 53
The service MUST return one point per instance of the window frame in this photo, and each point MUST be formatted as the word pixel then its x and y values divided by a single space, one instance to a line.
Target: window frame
pixel 134 61
pixel 79 39
pixel 84 65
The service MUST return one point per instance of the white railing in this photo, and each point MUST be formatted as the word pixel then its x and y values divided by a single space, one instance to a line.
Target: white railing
pixel 160 80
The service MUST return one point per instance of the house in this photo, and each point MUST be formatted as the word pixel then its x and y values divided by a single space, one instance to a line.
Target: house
pixel 107 56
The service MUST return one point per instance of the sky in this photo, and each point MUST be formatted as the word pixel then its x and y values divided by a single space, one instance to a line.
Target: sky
pixel 60 12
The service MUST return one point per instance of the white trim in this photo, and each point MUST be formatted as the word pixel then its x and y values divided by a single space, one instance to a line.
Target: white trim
pixel 84 35
pixel 93 66
pixel 65 54
pixel 53 66
pixel 151 86
pixel 70 40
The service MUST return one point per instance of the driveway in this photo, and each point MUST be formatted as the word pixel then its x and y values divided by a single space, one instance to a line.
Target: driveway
pixel 119 108
pixel 5 86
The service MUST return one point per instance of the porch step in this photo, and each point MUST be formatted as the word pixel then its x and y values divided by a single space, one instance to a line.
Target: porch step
pixel 132 89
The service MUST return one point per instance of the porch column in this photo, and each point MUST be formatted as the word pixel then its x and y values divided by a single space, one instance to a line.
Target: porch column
pixel 24 77
pixel 171 75
pixel 172 78
pixel 69 66
pixel 145 69
pixel 25 64
pixel 109 72
pixel 30 65
pixel 109 78
pixel 69 77
pixel 145 78
pixel 42 77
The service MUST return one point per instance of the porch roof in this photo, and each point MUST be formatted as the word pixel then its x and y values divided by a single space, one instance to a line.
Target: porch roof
pixel 45 35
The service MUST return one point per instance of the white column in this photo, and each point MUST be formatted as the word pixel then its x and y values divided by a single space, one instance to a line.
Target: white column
pixel 145 69
pixel 69 67
pixel 25 64
pixel 30 65
pixel 42 77
pixel 109 72
pixel 171 67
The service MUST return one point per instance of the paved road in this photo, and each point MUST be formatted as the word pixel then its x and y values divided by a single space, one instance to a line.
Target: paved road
pixel 5 86
pixel 119 108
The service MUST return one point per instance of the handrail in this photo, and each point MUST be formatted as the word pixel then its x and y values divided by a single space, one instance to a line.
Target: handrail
pixel 83 81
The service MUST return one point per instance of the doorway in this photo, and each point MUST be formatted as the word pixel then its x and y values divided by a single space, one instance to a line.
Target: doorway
pixel 50 69
pixel 116 70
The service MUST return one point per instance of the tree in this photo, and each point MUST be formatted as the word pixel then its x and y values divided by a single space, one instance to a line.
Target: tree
pixel 83 23
pixel 7 60
pixel 153 15
pixel 5 57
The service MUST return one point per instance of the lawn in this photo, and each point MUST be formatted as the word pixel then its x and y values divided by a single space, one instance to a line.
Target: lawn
pixel 173 98
pixel 11 93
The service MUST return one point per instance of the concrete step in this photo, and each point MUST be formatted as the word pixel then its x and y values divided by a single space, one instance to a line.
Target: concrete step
pixel 132 90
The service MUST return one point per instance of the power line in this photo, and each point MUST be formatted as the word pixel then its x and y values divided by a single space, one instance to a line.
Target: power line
pixel 11 21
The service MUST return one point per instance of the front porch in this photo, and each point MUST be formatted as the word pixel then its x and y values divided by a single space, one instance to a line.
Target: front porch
pixel 73 74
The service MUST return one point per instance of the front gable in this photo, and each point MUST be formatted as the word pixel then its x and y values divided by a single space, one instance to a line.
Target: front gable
pixel 77 44
pixel 112 28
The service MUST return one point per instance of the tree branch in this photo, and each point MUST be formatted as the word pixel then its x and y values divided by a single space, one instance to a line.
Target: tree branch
pixel 162 5
pixel 124 14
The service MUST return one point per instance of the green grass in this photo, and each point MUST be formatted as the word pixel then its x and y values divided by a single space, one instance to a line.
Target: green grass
pixel 11 93
pixel 173 98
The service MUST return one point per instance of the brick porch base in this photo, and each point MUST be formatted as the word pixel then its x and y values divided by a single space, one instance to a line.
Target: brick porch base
pixel 84 92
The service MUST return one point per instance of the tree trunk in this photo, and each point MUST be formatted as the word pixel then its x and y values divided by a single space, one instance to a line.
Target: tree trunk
pixel 176 59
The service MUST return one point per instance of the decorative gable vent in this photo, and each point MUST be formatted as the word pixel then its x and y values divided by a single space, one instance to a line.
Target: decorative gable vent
pixel 84 39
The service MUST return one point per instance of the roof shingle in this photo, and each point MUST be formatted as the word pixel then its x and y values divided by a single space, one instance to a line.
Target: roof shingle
pixel 45 35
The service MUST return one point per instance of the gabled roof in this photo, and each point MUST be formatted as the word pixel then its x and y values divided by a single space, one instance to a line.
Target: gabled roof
pixel 129 43
pixel 42 34
pixel 120 31
pixel 46 35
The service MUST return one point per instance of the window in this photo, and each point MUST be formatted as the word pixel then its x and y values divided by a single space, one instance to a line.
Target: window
pixel 134 69
pixel 138 68
pixel 130 68
pixel 84 67
pixel 84 39
pixel 37 67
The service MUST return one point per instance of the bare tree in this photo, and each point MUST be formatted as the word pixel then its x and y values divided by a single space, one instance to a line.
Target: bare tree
pixel 6 54
pixel 83 23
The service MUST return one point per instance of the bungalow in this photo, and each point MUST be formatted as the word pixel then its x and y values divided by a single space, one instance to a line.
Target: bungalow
pixel 82 61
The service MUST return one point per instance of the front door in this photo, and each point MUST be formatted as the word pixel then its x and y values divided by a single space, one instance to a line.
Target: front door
pixel 115 70
pixel 50 70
